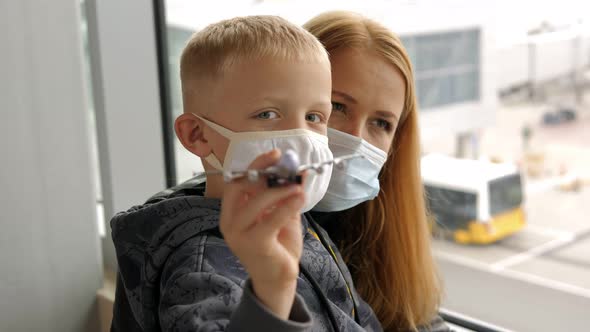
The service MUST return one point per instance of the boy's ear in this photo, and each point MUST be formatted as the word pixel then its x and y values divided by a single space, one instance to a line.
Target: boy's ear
pixel 189 130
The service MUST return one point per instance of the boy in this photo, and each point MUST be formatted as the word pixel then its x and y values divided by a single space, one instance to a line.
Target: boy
pixel 188 262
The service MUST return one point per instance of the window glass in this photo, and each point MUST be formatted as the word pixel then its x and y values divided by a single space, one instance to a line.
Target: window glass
pixel 447 66
pixel 465 86
pixel 177 38
pixel 499 82
pixel 505 194
pixel 452 209
pixel 92 121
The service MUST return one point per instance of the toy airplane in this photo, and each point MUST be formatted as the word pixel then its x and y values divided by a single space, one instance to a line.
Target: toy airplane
pixel 286 171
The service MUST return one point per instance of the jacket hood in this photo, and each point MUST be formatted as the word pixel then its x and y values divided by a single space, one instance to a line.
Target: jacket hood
pixel 145 235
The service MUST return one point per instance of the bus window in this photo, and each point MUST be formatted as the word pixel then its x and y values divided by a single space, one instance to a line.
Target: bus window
pixel 505 194
pixel 452 209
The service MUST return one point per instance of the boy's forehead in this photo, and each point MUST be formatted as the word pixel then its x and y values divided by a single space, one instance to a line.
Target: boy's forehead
pixel 251 80
pixel 250 86
pixel 271 74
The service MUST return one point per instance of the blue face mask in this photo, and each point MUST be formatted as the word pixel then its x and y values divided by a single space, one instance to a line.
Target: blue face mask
pixel 358 180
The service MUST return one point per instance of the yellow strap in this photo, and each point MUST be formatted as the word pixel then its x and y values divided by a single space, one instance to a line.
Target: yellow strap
pixel 312 232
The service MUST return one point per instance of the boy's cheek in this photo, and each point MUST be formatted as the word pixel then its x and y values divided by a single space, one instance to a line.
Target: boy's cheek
pixel 320 128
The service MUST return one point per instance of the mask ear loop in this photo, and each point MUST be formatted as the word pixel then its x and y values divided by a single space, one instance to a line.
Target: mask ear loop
pixel 213 161
pixel 219 129
pixel 211 158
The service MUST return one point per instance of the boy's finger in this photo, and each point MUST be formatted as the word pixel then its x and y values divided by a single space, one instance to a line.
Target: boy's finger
pixel 304 176
pixel 266 159
pixel 279 217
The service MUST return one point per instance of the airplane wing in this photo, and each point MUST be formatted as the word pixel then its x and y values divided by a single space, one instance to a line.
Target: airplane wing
pixel 338 161
pixel 254 174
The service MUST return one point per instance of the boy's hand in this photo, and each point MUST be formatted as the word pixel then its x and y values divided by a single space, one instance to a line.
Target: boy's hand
pixel 262 226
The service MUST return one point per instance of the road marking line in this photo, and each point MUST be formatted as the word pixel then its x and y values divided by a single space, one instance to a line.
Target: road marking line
pixel 547 231
pixel 542 186
pixel 548 283
pixel 531 253
pixel 459 259
pixel 517 275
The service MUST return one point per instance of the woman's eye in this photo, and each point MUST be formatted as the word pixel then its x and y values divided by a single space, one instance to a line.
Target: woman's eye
pixel 267 115
pixel 338 107
pixel 382 124
pixel 313 117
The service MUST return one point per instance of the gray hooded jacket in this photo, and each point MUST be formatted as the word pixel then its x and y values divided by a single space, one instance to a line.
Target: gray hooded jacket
pixel 176 273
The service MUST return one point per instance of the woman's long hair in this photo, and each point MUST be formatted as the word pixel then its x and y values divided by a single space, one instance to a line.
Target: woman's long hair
pixel 387 240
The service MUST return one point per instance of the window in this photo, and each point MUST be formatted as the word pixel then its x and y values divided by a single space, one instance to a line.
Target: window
pixel 177 38
pixel 545 264
pixel 446 65
pixel 505 194
pixel 187 164
pixel 452 209
pixel 92 122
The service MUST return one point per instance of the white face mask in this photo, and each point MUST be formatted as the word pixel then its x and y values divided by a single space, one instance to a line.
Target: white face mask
pixel 358 180
pixel 244 147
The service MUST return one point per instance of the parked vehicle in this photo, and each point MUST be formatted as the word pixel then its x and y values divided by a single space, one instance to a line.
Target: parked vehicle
pixel 559 115
pixel 473 201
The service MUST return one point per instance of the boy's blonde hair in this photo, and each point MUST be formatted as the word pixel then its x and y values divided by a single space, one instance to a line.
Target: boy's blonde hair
pixel 212 51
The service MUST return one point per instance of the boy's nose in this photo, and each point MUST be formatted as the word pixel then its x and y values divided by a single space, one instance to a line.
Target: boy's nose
pixel 294 123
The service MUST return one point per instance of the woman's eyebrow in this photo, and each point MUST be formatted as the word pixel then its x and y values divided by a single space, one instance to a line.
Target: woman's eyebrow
pixel 386 114
pixel 345 96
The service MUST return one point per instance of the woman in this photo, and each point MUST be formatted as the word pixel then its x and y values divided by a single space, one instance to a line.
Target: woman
pixel 385 241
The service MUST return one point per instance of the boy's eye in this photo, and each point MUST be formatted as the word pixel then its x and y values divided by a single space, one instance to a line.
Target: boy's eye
pixel 313 117
pixel 338 107
pixel 267 115
pixel 382 124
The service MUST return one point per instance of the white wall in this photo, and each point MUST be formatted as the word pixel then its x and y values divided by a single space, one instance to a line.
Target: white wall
pixel 49 247
pixel 127 103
